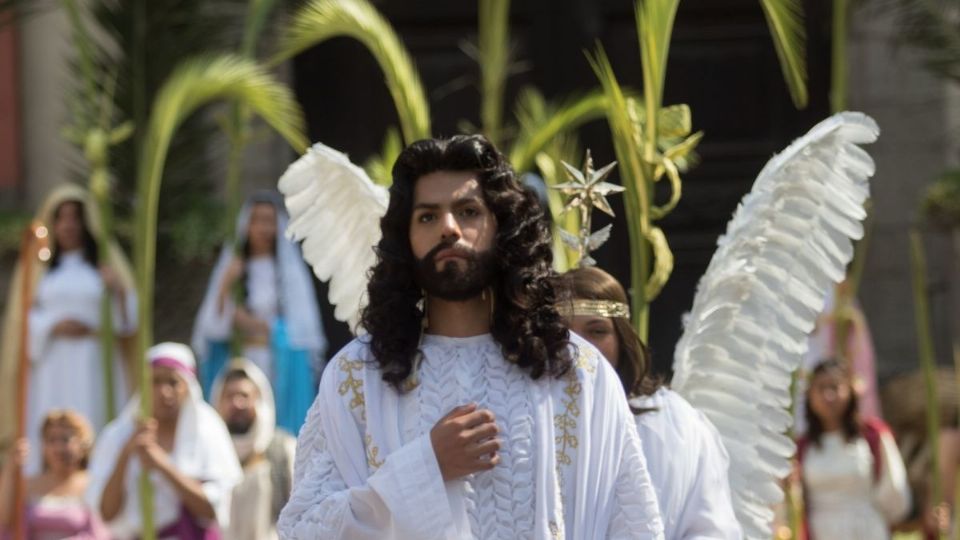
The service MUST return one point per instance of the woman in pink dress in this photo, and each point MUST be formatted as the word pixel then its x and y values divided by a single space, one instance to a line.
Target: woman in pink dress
pixel 55 508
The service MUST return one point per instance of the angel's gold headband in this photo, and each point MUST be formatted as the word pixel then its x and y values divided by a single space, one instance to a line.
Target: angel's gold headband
pixel 596 308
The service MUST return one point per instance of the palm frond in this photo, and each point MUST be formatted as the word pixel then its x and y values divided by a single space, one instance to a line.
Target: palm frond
pixel 258 14
pixel 494 59
pixel 628 146
pixel 565 147
pixel 194 84
pixel 142 42
pixel 928 360
pixel 540 122
pixel 785 19
pixel 654 20
pixel 320 20
pixel 380 167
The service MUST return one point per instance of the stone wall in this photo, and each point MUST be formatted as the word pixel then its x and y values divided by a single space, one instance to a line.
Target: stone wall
pixel 917 114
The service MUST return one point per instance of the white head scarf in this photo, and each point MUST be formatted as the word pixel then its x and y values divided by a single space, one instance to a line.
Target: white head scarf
pixel 298 303
pixel 261 432
pixel 202 450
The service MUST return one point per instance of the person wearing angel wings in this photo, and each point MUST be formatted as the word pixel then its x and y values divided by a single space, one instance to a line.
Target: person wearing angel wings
pixel 467 410
pixel 787 244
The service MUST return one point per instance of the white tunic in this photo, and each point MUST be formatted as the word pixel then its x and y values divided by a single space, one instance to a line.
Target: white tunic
pixel 845 498
pixel 572 466
pixel 67 372
pixel 688 466
pixel 263 303
pixel 202 450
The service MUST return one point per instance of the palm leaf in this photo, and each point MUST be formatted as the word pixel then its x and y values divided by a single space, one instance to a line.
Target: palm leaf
pixel 785 19
pixel 494 58
pixel 628 146
pixel 258 14
pixel 565 147
pixel 237 125
pixel 321 20
pixel 928 359
pixel 541 122
pixel 380 167
pixel 194 84
pixel 654 20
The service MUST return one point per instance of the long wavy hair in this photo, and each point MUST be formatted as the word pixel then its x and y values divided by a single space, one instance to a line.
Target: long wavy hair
pixel 525 322
pixel 852 426
pixel 633 364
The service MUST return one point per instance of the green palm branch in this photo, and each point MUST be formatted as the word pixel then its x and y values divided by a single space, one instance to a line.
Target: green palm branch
pixel 380 167
pixel 320 20
pixel 237 124
pixel 634 174
pixel 494 58
pixel 192 85
pixel 785 20
pixel 928 362
pixel 541 122
pixel 563 148
pixel 94 132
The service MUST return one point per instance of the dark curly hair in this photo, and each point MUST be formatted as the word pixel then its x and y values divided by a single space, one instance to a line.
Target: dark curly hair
pixel 525 323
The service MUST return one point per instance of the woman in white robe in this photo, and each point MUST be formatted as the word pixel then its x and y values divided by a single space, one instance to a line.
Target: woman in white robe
pixel 199 463
pixel 687 461
pixel 855 484
pixel 66 370
pixel 261 300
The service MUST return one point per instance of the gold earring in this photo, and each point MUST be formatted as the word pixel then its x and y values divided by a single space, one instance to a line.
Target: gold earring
pixel 425 321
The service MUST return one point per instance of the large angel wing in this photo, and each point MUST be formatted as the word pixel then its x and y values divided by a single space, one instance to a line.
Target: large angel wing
pixel 335 209
pixel 788 242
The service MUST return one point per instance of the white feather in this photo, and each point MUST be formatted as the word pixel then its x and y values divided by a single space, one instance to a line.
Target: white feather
pixel 335 209
pixel 788 242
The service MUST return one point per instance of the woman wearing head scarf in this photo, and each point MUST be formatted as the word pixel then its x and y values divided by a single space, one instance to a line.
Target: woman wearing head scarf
pixel 261 303
pixel 185 448
pixel 63 343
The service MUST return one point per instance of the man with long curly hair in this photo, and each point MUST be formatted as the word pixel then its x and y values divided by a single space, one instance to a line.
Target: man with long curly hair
pixel 468 410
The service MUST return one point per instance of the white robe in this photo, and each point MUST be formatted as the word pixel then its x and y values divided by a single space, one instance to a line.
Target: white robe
pixel 572 465
pixel 263 303
pixel 844 497
pixel 202 450
pixel 252 503
pixel 67 372
pixel 689 468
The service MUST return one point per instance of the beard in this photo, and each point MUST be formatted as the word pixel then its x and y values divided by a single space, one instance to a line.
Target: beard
pixel 239 425
pixel 451 282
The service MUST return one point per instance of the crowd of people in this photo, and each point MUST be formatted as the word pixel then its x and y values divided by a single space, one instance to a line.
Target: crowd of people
pixel 463 414
pixel 219 453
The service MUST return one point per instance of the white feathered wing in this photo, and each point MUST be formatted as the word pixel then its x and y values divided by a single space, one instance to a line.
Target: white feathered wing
pixel 788 242
pixel 335 209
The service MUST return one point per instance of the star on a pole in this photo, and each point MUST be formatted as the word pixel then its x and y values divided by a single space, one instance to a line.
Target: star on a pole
pixel 587 189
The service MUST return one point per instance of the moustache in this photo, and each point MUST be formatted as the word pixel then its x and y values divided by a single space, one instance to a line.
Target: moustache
pixel 459 251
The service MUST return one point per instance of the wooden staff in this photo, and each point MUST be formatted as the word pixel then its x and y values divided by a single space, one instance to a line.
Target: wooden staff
pixel 33 247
